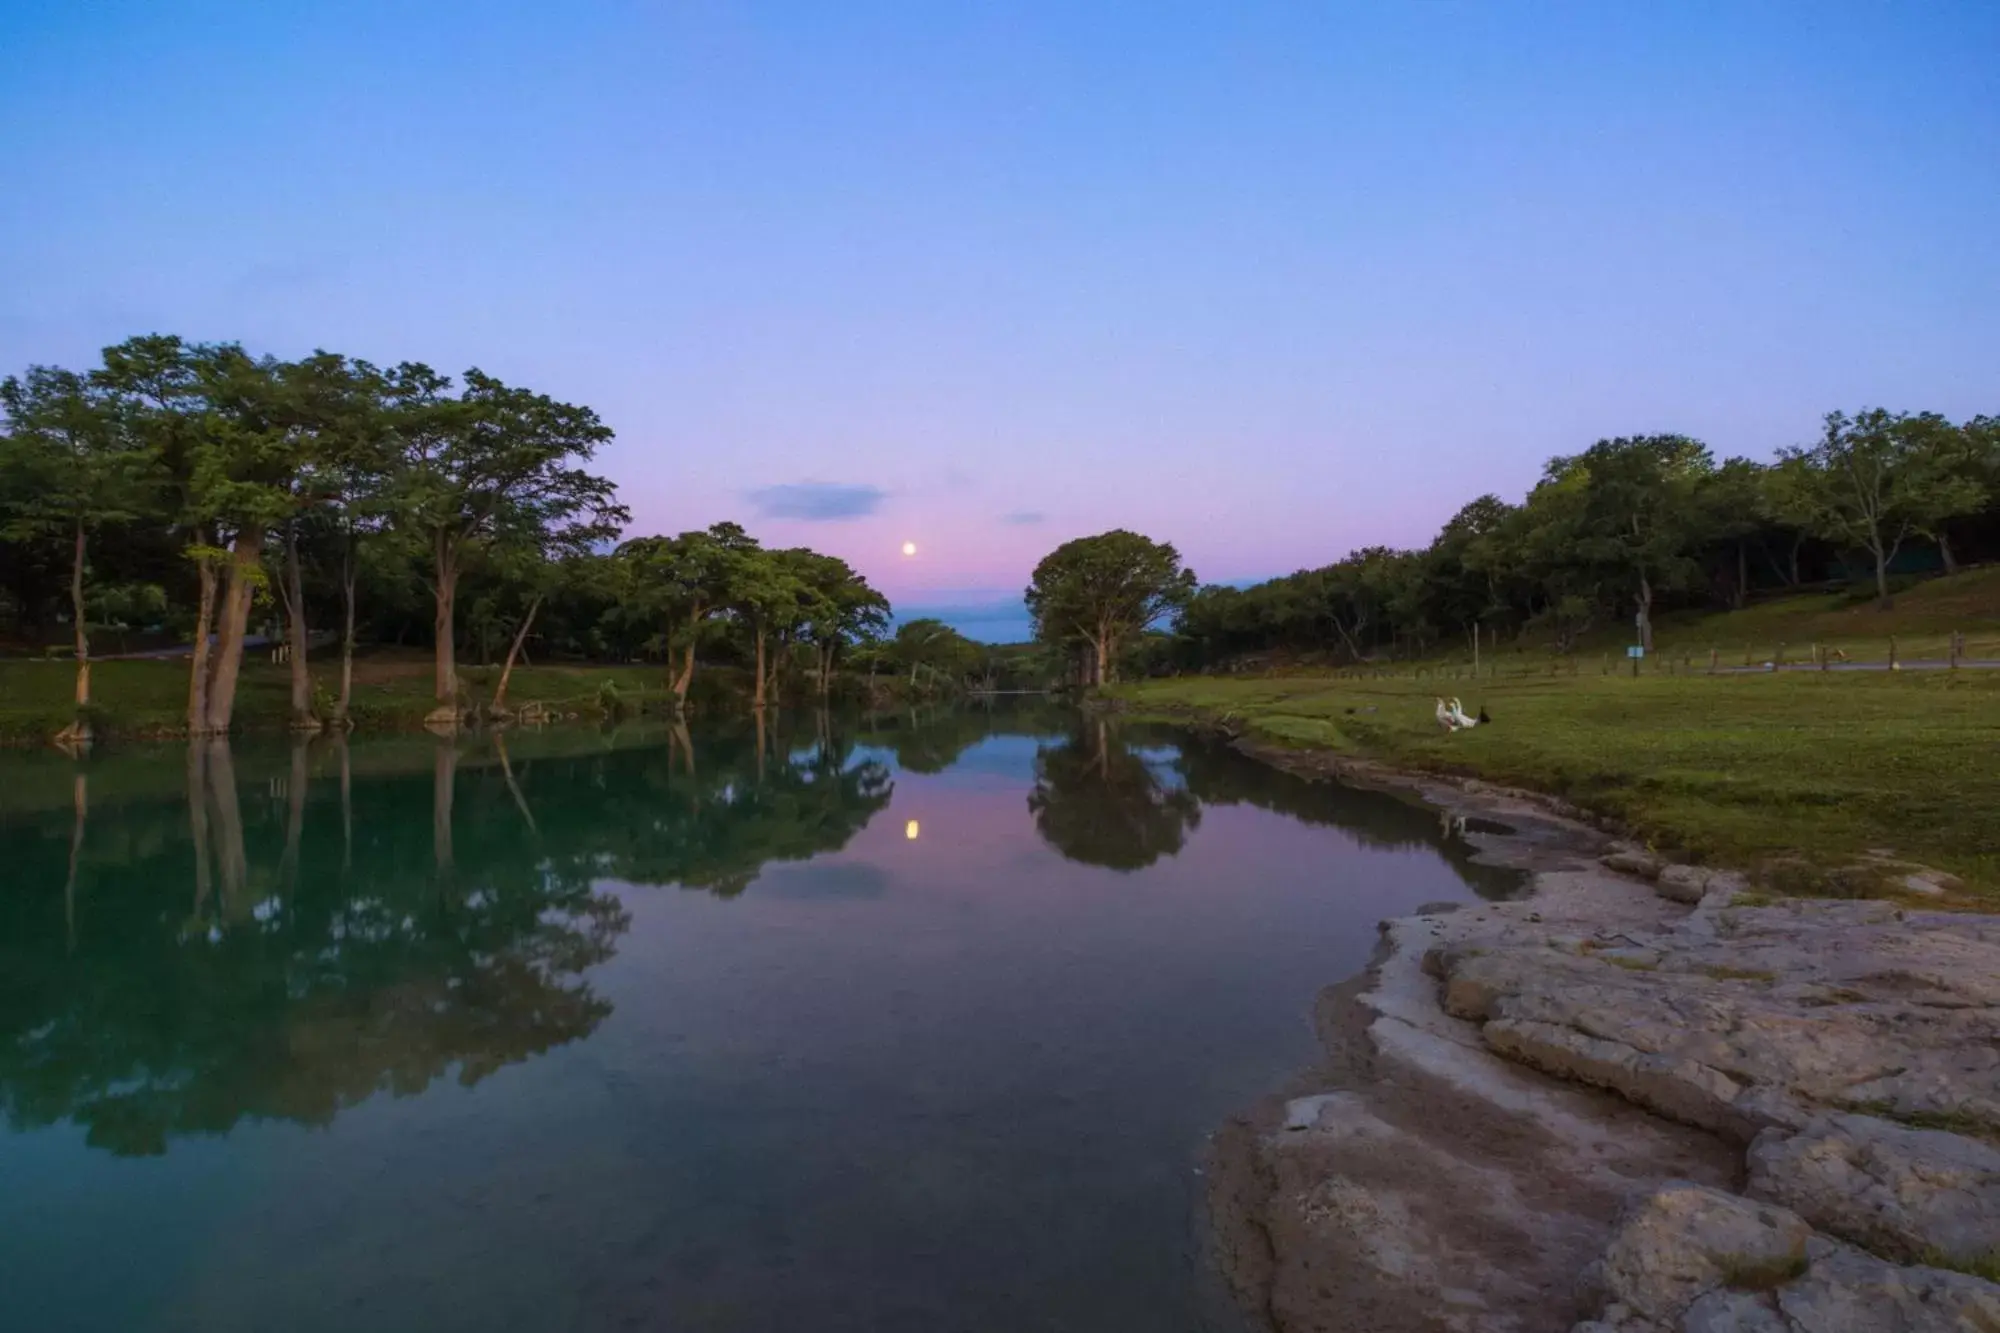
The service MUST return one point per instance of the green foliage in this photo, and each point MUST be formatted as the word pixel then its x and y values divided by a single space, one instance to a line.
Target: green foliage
pixel 1634 527
pixel 1094 593
pixel 935 656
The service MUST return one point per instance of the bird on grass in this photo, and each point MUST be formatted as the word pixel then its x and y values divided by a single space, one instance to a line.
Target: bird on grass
pixel 1455 718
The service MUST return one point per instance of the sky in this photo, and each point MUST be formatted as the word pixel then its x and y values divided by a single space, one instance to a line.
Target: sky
pixel 1267 281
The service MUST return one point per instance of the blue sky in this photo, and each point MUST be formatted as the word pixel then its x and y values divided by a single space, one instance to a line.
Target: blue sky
pixel 1267 281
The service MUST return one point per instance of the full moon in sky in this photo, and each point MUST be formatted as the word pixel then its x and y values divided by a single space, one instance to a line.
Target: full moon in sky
pixel 909 548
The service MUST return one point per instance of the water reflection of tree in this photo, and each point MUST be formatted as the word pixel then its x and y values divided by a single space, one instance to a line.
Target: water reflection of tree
pixel 931 738
pixel 1098 802
pixel 1218 775
pixel 739 800
pixel 300 973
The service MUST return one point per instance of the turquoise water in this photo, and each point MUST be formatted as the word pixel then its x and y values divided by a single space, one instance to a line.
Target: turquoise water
pixel 917 1022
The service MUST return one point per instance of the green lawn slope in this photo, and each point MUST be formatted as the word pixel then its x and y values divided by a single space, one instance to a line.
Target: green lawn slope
pixel 1793 776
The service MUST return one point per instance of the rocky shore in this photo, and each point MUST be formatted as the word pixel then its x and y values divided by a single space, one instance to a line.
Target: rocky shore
pixel 1638 1098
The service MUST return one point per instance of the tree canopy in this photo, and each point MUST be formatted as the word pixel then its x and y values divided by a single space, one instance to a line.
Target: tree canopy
pixel 1096 593
pixel 209 491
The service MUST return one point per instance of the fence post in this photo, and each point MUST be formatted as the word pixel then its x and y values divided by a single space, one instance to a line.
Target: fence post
pixel 1714 658
pixel 1778 662
pixel 1894 665
pixel 1957 647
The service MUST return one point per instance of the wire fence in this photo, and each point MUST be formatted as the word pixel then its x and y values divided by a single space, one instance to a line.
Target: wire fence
pixel 1950 651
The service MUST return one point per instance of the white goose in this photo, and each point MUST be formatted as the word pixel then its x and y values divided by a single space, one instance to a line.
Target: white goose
pixel 1446 718
pixel 1459 718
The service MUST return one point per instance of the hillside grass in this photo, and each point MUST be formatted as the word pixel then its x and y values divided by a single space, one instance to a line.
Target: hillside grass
pixel 1921 620
pixel 1779 772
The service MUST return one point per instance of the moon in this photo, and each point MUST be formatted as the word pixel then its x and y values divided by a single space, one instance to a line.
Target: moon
pixel 909 548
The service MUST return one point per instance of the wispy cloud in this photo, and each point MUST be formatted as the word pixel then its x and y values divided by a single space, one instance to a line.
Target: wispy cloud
pixel 817 500
pixel 1021 518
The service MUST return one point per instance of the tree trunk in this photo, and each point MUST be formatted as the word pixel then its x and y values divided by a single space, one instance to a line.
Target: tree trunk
pixel 296 635
pixel 1742 576
pixel 341 705
pixel 245 553
pixel 1882 598
pixel 82 726
pixel 202 654
pixel 514 651
pixel 685 743
pixel 686 675
pixel 446 678
pixel 1644 601
pixel 1943 541
pixel 757 690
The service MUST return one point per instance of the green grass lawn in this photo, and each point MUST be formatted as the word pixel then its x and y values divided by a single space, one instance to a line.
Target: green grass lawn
pixel 1738 770
pixel 137 699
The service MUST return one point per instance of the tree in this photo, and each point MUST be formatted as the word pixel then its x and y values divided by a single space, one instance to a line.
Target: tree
pixel 1870 483
pixel 677 583
pixel 493 466
pixel 1097 590
pixel 1955 467
pixel 766 594
pixel 67 470
pixel 841 611
pixel 1638 514
pixel 926 644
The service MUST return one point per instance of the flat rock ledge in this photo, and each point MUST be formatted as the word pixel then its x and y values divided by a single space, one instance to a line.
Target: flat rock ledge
pixel 1624 1103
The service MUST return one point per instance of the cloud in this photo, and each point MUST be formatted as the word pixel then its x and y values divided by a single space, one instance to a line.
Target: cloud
pixel 817 500
pixel 1021 518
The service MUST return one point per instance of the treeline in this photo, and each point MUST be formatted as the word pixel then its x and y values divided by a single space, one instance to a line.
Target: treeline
pixel 196 490
pixel 1625 529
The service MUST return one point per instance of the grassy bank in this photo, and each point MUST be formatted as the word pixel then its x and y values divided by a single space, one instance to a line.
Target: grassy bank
pixel 392 691
pixel 1793 774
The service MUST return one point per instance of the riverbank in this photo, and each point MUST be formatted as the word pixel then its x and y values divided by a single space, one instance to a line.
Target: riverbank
pixel 1605 1106
pixel 138 700
pixel 1798 780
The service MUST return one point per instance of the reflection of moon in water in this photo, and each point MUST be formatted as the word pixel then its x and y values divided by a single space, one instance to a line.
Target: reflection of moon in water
pixel 909 548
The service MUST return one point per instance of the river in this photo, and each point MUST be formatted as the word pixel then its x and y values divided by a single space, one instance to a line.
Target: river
pixel 913 1022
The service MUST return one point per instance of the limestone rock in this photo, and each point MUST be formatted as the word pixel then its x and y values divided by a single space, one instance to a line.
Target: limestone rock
pixel 1739 1019
pixel 1683 1241
pixel 1700 1261
pixel 1901 1192
pixel 1734 1312
pixel 1847 1291
pixel 1631 862
pixel 1682 884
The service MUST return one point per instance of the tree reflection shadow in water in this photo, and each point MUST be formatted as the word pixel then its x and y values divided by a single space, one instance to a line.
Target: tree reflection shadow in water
pixel 286 940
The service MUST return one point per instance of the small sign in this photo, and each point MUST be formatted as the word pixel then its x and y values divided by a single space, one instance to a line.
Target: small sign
pixel 1636 650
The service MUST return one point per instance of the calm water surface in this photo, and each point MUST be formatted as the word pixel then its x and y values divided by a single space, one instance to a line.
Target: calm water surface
pixel 909 1023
